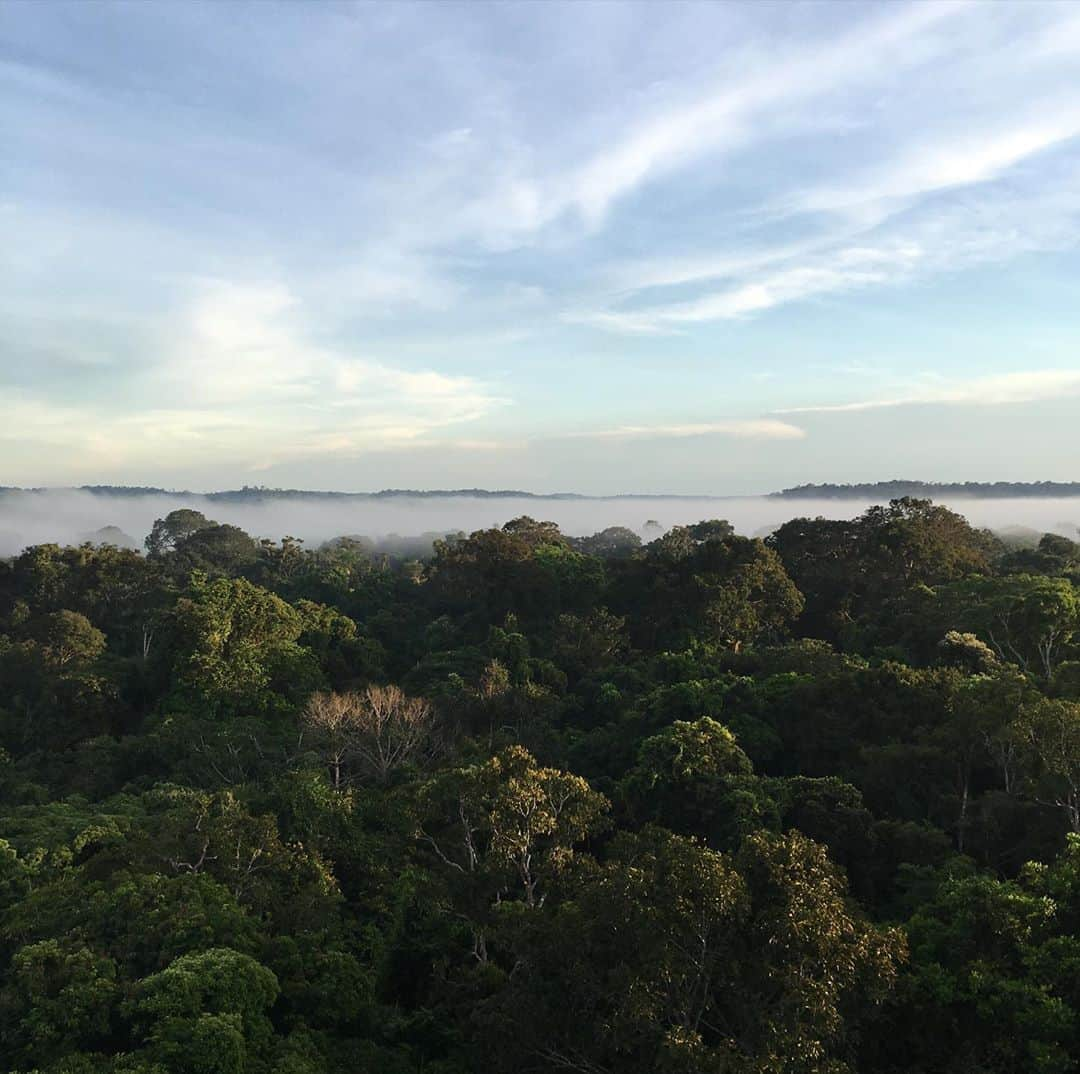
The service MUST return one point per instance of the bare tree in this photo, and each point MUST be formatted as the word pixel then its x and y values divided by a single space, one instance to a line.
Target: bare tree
pixel 393 729
pixel 371 732
pixel 330 717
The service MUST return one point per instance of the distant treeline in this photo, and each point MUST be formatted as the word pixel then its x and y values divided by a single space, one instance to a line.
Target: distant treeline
pixel 882 491
pixel 891 490
pixel 256 493
pixel 261 492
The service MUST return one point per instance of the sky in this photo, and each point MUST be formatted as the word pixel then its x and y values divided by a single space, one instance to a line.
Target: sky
pixel 594 247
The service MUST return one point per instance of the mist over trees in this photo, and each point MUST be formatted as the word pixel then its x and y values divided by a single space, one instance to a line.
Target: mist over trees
pixel 647 798
pixel 124 516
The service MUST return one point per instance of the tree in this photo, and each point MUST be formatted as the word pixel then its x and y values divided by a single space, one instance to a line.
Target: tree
pixel 677 544
pixel 820 556
pixel 344 653
pixel 329 718
pixel 588 643
pixel 1053 555
pixel 534 533
pixel 371 733
pixel 527 569
pixel 851 569
pixel 991 981
pixel 1027 619
pixel 66 640
pixel 54 678
pixel 978 729
pixel 715 529
pixel 144 920
pixel 59 998
pixel 669 956
pixel 831 812
pixel 615 542
pixel 168 532
pixel 187 832
pixel 812 969
pixel 694 778
pixel 234 641
pixel 967 651
pixel 726 591
pixel 482 573
pixel 1050 733
pixel 207 1012
pixel 621 974
pixel 747 592
pixel 913 540
pixel 508 823
pixel 119 591
pixel 218 549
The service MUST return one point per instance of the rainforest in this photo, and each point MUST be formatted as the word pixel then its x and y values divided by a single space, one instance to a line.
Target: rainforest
pixel 696 802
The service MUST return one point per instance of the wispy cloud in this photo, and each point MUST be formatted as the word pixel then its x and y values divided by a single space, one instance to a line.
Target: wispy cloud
pixel 956 188
pixel 830 273
pixel 1039 213
pixel 722 118
pixel 749 429
pixel 996 390
pixel 962 159
pixel 523 189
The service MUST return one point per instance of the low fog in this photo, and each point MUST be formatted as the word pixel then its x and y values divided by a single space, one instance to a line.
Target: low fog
pixel 73 516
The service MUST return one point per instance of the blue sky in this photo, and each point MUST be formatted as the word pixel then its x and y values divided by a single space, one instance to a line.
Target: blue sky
pixel 594 247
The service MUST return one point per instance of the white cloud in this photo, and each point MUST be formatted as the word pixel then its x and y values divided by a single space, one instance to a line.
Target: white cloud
pixel 724 117
pixel 934 186
pixel 236 380
pixel 517 188
pixel 752 429
pixel 961 159
pixel 995 390
pixel 642 275
pixel 1040 213
pixel 829 273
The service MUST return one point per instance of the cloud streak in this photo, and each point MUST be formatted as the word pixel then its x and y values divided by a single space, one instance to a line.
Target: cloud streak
pixel 999 389
pixel 749 429
pixel 722 118
pixel 990 179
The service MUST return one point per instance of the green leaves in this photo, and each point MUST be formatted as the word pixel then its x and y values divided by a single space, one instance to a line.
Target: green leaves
pixel 1049 735
pixel 694 778
pixel 60 997
pixel 509 821
pixel 990 985
pixel 207 1012
pixel 1026 619
pixel 234 641
pixel 671 956
pixel 724 591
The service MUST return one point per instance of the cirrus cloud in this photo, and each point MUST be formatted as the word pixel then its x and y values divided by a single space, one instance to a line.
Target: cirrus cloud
pixel 749 429
pixel 1000 389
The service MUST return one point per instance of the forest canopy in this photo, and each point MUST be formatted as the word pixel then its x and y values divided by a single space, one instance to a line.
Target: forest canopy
pixel 522 801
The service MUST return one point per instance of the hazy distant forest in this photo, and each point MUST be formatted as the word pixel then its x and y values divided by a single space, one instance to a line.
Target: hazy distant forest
pixel 693 804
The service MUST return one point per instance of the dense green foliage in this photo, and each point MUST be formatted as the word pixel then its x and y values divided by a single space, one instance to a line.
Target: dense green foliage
pixel 536 803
